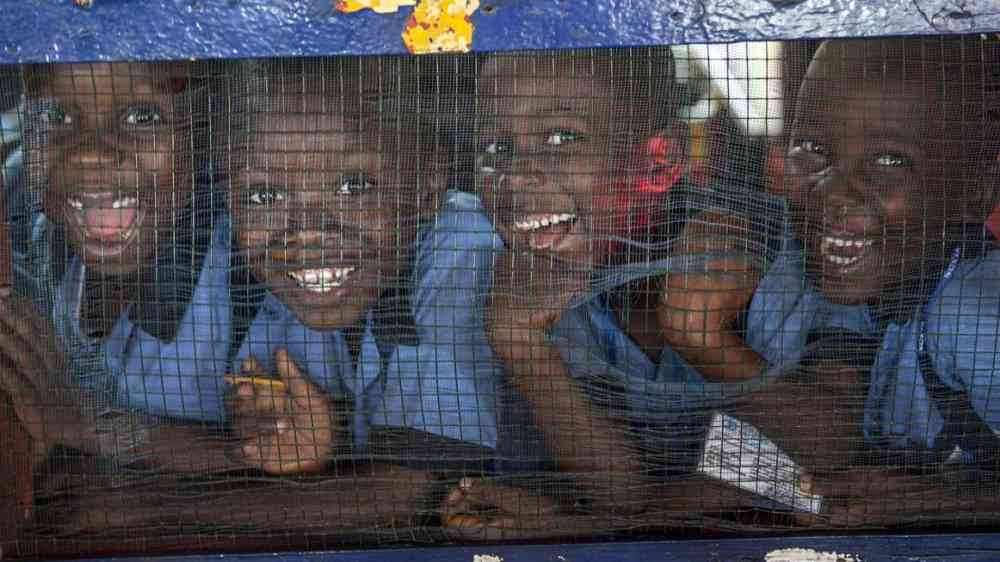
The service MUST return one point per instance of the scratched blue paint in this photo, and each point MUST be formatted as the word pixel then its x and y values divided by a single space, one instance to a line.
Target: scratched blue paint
pixel 899 548
pixel 57 30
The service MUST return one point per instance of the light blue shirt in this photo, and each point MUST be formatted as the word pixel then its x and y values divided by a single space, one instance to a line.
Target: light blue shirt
pixel 962 340
pixel 444 383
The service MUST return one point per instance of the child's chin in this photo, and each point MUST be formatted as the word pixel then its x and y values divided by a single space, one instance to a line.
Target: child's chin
pixel 330 318
pixel 847 291
pixel 109 262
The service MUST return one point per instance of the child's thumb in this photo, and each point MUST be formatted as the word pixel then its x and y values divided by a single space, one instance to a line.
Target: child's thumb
pixel 289 373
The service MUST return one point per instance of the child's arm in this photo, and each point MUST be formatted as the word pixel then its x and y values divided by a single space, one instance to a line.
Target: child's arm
pixel 581 437
pixel 34 375
pixel 283 429
pixel 699 308
pixel 530 293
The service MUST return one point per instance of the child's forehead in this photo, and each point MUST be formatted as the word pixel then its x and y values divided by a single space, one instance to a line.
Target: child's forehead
pixel 117 79
pixel 573 76
pixel 845 92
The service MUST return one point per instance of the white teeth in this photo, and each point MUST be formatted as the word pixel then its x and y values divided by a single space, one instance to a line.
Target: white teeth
pixel 844 242
pixel 841 260
pixel 855 243
pixel 549 220
pixel 124 203
pixel 321 280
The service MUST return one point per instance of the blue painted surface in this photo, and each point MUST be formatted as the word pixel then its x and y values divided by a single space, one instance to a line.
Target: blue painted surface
pixel 927 548
pixel 58 30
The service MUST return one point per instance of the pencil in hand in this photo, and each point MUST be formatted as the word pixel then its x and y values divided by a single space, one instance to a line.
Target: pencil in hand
pixel 275 384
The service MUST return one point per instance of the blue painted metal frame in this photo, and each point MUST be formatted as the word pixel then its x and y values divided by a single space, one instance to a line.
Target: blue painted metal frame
pixel 58 30
pixel 878 548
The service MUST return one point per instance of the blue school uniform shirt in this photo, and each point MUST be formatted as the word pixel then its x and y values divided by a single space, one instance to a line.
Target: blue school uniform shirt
pixel 444 380
pixel 444 383
pixel 134 369
pixel 960 327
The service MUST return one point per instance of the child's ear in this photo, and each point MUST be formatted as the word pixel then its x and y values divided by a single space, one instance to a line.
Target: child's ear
pixel 984 197
pixel 432 189
pixel 663 158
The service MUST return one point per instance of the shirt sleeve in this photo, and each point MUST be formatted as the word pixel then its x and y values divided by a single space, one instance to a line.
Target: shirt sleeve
pixel 447 384
pixel 963 336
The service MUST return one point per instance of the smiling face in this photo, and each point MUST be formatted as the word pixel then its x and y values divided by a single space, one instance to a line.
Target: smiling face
pixel 328 204
pixel 556 153
pixel 879 169
pixel 117 156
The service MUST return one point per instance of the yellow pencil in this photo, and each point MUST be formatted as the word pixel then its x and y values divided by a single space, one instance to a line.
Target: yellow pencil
pixel 275 384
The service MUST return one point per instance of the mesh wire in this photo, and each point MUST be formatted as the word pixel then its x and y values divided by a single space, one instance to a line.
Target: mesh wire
pixel 697 290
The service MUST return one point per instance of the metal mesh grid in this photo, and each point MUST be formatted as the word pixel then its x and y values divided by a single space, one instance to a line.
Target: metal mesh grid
pixel 689 291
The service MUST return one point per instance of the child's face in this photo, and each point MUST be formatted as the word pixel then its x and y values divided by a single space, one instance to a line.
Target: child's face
pixel 547 168
pixel 869 168
pixel 327 207
pixel 118 158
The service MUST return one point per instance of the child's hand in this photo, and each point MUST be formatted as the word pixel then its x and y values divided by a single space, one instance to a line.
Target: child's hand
pixel 34 375
pixel 699 308
pixel 284 430
pixel 876 497
pixel 483 509
pixel 531 291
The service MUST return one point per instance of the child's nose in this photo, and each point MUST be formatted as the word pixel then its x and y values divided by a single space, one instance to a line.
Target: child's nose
pixel 527 173
pixel 307 219
pixel 94 148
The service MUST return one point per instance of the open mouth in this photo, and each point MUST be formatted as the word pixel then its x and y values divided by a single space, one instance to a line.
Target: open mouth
pixel 844 251
pixel 107 220
pixel 545 230
pixel 321 280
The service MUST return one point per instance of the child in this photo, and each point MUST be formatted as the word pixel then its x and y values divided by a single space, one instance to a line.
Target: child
pixel 126 254
pixel 578 152
pixel 891 172
pixel 366 312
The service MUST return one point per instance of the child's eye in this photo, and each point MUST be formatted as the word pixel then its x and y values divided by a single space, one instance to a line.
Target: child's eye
pixel 811 146
pixel 498 147
pixel 142 116
pixel 891 160
pixel 354 184
pixel 56 116
pixel 558 138
pixel 265 196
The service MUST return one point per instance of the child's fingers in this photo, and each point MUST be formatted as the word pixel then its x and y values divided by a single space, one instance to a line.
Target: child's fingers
pixel 291 453
pixel 26 402
pixel 22 347
pixel 251 367
pixel 509 499
pixel 311 406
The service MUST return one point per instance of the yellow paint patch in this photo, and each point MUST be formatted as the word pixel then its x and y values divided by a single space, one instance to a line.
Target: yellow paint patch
pixel 378 6
pixel 440 26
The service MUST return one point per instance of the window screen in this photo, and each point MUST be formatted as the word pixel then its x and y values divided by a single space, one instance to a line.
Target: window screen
pixel 687 291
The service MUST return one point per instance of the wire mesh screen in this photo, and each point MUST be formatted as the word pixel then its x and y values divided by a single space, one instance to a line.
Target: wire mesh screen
pixel 700 290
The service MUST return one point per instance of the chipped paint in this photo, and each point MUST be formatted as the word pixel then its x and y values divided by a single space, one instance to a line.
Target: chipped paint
pixel 440 26
pixel 377 6
pixel 487 558
pixel 84 3
pixel 808 555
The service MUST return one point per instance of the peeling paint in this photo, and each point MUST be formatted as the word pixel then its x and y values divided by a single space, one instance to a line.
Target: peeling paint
pixel 377 6
pixel 440 26
pixel 487 558
pixel 808 555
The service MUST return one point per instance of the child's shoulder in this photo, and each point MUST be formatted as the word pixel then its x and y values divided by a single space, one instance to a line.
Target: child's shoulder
pixel 971 292
pixel 461 223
